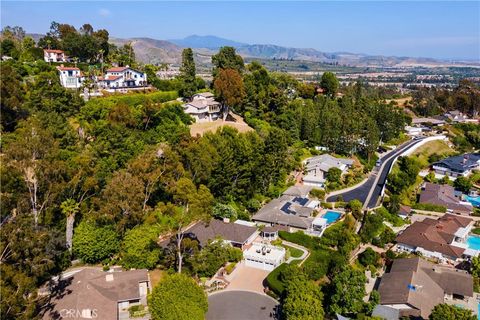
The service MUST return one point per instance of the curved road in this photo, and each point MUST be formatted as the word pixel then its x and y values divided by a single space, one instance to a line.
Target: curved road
pixel 371 190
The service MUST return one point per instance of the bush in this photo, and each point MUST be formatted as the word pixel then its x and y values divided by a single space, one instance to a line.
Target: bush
pixel 318 193
pixel 139 248
pixel 327 205
pixel 476 231
pixel 230 267
pixel 369 257
pixel 430 207
pixel 273 279
pixel 300 238
pixel 92 243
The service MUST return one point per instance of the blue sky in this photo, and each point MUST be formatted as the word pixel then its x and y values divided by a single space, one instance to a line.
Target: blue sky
pixel 437 29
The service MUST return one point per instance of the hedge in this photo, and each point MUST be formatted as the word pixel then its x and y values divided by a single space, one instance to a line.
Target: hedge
pixel 301 238
pixel 476 231
pixel 430 207
pixel 273 281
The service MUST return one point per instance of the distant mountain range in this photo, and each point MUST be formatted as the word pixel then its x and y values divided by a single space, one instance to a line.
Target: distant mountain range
pixel 148 50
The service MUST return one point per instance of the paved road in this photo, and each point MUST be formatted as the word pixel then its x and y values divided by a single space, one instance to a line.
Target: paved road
pixel 372 185
pixel 241 305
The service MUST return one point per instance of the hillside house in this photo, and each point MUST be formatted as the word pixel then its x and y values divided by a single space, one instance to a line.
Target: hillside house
pixel 70 77
pixel 122 77
pixel 414 286
pixel 317 168
pixel 95 294
pixel 444 195
pixel 457 166
pixel 444 239
pixel 203 107
pixel 51 55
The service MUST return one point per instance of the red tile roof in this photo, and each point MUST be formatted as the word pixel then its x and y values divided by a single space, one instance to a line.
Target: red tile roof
pixel 53 51
pixel 117 69
pixel 68 69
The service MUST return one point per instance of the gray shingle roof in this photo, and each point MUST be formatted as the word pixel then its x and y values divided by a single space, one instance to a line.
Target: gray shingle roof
pixel 233 232
pixel 460 163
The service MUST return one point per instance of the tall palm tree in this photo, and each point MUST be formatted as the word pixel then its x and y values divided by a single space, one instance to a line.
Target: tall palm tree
pixel 69 208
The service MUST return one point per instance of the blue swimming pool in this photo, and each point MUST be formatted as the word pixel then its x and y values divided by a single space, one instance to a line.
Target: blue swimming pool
pixel 475 201
pixel 332 216
pixel 473 242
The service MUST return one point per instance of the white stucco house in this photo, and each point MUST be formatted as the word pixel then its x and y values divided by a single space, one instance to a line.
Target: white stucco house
pixel 203 107
pixel 70 77
pixel 122 77
pixel 51 55
pixel 264 256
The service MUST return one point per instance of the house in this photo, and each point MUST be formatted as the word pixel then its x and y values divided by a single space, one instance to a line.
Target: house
pixel 434 122
pixel 50 55
pixel 415 286
pixel 70 77
pixel 456 116
pixel 316 168
pixel 413 131
pixel 457 166
pixel 238 235
pixel 94 294
pixel 122 77
pixel 203 107
pixel 444 239
pixel 444 195
pixel 264 256
pixel 294 211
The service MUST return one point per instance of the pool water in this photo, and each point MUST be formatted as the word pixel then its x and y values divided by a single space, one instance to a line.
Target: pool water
pixel 475 201
pixel 331 216
pixel 473 242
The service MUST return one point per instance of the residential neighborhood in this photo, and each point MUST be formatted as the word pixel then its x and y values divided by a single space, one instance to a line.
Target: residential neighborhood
pixel 201 161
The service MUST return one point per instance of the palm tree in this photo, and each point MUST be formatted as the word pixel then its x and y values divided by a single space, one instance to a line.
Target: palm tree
pixel 69 208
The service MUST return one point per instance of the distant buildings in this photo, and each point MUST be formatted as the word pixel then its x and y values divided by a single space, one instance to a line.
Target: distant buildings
pixel 203 107
pixel 414 286
pixel 457 166
pixel 444 239
pixel 95 294
pixel 317 168
pixel 444 195
pixel 50 55
pixel 456 116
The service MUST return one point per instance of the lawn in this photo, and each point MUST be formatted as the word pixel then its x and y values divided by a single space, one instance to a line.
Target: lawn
pixel 294 252
pixel 438 147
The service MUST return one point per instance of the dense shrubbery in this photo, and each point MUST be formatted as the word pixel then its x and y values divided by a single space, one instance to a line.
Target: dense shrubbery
pixel 430 207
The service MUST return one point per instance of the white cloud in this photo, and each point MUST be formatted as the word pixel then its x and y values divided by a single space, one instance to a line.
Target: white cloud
pixel 104 12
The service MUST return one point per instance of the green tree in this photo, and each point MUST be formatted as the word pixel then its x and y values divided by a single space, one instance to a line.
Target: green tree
pixel 329 83
pixel 334 175
pixel 139 248
pixel 69 208
pixel 13 95
pixel 448 312
pixel 206 262
pixel 221 210
pixel 187 74
pixel 227 58
pixel 92 243
pixel 430 177
pixel 303 300
pixel 369 257
pixel 463 184
pixel 178 297
pixel 194 204
pixel 347 291
pixel 356 206
pixel 229 87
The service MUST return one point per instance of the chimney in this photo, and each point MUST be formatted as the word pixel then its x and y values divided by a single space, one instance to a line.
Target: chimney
pixel 109 277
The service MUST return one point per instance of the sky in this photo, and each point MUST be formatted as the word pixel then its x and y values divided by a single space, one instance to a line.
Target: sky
pixel 436 29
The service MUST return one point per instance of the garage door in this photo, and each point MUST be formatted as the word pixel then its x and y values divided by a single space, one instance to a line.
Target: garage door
pixel 259 265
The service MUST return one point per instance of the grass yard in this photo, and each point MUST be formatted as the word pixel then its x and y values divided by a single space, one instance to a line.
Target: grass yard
pixel 294 252
pixel 433 147
pixel 200 128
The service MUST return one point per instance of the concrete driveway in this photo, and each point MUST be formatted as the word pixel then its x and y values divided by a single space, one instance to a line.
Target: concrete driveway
pixel 247 278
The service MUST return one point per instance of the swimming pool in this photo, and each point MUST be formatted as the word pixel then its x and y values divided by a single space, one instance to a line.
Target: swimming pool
pixel 475 201
pixel 332 216
pixel 473 242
